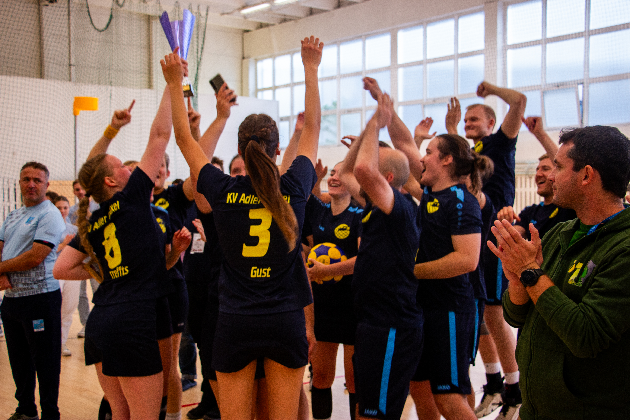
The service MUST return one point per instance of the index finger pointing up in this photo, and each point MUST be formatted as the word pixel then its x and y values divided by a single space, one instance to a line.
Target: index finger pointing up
pixel 131 106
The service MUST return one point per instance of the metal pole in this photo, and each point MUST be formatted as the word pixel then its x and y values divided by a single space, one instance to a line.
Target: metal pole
pixel 76 148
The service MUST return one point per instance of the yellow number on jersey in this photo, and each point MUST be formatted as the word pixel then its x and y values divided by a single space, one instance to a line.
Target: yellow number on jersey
pixel 112 247
pixel 261 230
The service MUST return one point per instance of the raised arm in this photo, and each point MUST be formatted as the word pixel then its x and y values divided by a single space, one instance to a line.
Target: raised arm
pixel 453 116
pixel 515 100
pixel 226 99
pixel 291 150
pixel 311 57
pixel 421 132
pixel 366 168
pixel 120 119
pixel 535 126
pixel 346 169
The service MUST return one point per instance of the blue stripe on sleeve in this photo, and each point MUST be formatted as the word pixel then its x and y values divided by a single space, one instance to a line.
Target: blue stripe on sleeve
pixel 387 367
pixel 453 336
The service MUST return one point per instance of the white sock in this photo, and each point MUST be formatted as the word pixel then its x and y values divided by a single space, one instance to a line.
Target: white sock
pixel 512 378
pixel 493 368
pixel 174 416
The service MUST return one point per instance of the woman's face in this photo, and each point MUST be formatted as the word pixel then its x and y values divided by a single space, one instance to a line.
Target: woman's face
pixel 64 208
pixel 335 187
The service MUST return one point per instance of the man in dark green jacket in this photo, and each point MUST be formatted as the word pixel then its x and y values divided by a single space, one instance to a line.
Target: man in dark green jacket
pixel 571 296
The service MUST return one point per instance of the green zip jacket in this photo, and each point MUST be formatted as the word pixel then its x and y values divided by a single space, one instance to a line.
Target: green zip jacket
pixel 574 350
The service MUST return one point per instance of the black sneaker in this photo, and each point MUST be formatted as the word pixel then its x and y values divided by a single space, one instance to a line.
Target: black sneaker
pixel 197 412
pixel 512 401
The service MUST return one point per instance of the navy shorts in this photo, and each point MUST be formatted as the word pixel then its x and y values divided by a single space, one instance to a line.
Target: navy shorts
pixel 384 361
pixel 334 325
pixel 123 338
pixel 240 339
pixel 447 348
pixel 480 306
pixel 496 283
pixel 164 325
pixel 178 306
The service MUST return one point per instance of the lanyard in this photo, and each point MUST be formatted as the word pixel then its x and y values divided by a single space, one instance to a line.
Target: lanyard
pixel 608 219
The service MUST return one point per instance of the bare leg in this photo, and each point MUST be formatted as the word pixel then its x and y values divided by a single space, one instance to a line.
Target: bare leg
pixel 348 352
pixel 454 407
pixel 503 337
pixel 324 361
pixel 261 400
pixel 143 395
pixel 283 387
pixel 166 356
pixel 174 401
pixel 113 393
pixel 236 393
pixel 303 410
pixel 424 401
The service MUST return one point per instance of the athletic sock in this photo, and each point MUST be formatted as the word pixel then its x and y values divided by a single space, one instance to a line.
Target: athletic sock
pixel 353 405
pixel 321 403
pixel 512 394
pixel 174 416
pixel 512 378
pixel 494 383
pixel 163 409
pixel 492 368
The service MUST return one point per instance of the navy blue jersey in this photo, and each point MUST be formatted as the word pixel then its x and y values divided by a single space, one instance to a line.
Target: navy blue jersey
pixel 258 275
pixel 165 235
pixel 488 215
pixel 502 150
pixel 384 286
pixel 450 212
pixel 343 230
pixel 544 217
pixel 124 235
pixel 202 260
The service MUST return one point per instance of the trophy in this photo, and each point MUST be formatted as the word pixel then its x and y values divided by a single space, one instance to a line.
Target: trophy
pixel 178 33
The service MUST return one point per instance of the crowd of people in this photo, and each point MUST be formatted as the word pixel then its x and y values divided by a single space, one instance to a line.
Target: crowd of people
pixel 413 263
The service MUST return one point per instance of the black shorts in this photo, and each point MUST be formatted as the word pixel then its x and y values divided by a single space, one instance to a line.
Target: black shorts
pixel 164 325
pixel 384 361
pixel 178 306
pixel 480 306
pixel 496 283
pixel 240 339
pixel 447 348
pixel 334 325
pixel 123 338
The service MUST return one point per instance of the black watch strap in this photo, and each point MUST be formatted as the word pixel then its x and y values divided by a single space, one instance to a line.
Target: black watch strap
pixel 530 277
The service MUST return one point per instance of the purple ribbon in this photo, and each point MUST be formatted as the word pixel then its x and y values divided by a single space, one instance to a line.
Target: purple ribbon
pixel 179 32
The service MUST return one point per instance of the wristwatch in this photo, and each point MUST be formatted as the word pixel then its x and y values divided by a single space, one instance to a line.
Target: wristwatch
pixel 530 277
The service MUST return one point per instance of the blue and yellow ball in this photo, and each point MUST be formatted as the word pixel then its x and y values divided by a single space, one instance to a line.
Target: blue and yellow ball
pixel 327 253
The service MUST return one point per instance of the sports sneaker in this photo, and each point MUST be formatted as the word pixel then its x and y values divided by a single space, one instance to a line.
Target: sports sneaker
pixel 20 416
pixel 66 352
pixel 81 333
pixel 489 402
pixel 509 412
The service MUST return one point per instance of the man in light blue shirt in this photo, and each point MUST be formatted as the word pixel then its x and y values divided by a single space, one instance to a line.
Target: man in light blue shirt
pixel 31 309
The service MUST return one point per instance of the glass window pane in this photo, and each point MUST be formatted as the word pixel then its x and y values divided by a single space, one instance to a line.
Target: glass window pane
pixel 328 132
pixel 523 66
pixel 384 81
pixel 533 105
pixel 464 103
pixel 283 96
pixel 565 17
pixel 411 115
pixel 299 93
pixel 601 95
pixel 351 124
pixel 328 65
pixel 524 22
pixel 410 44
pixel 565 60
pixel 283 70
pixel 351 89
pixel 441 38
pixel 609 13
pixel 469 73
pixel 378 51
pixel 351 56
pixel 410 83
pixel 265 94
pixel 284 129
pixel 298 68
pixel 561 108
pixel 471 33
pixel 440 79
pixel 328 94
pixel 609 53
pixel 264 71
pixel 438 113
pixel 383 134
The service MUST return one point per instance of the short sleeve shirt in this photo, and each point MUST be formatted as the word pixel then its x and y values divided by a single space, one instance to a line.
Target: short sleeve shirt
pixel 502 150
pixel 43 224
pixel 544 217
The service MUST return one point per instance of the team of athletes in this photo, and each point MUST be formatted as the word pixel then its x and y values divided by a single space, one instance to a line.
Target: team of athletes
pixel 407 302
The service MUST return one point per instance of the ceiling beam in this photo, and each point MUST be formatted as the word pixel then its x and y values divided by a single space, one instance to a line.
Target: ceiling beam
pixel 321 4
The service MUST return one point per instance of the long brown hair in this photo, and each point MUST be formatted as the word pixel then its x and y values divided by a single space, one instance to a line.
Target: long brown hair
pixel 258 141
pixel 91 177
pixel 465 160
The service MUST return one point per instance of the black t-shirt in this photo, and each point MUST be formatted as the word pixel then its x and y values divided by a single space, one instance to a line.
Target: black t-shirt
pixel 450 212
pixel 165 235
pixel 384 286
pixel 488 215
pixel 343 230
pixel 124 236
pixel 544 217
pixel 502 150
pixel 258 275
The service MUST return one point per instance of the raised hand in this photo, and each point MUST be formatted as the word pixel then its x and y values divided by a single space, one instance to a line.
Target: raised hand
pixel 453 115
pixel 508 213
pixel 384 113
pixel 371 85
pixel 181 240
pixel 534 125
pixel 320 170
pixel 422 130
pixel 226 99
pixel 197 223
pixel 299 122
pixel 194 119
pixel 484 89
pixel 312 52
pixel 172 68
pixel 516 254
pixel 122 117
pixel 348 137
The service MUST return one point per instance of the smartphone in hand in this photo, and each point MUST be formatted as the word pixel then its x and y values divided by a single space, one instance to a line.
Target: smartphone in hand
pixel 216 82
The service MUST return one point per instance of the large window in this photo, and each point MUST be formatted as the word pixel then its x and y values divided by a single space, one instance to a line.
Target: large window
pixel 423 66
pixel 570 57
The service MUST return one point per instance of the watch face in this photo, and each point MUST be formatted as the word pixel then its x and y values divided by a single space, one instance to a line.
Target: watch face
pixel 530 277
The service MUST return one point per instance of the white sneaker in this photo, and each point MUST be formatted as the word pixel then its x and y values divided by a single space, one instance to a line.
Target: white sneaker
pixel 66 352
pixel 489 403
pixel 81 334
pixel 509 412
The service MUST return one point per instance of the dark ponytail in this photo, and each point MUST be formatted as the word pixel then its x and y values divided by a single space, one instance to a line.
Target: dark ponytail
pixel 465 161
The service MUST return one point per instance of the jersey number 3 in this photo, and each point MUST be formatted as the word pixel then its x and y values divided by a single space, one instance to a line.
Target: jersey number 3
pixel 261 231
pixel 112 247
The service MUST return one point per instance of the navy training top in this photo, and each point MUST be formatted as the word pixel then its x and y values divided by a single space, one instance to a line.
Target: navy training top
pixel 502 150
pixel 544 217
pixel 477 279
pixel 165 235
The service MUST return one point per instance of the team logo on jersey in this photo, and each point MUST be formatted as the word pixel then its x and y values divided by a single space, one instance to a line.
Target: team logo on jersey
pixel 433 206
pixel 479 146
pixel 162 203
pixel 161 223
pixel 342 231
pixel 29 220
pixel 577 279
pixel 367 217
pixel 554 214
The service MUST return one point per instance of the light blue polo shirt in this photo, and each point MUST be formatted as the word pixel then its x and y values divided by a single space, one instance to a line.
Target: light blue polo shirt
pixel 21 228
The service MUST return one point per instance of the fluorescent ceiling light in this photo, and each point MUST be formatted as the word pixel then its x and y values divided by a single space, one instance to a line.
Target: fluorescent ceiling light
pixel 256 8
pixel 279 2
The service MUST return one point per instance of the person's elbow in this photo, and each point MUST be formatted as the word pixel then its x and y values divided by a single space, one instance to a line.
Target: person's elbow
pixel 364 173
pixel 521 102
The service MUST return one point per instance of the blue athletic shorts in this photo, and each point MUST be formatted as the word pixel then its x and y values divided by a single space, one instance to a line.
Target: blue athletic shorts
pixel 496 283
pixel 480 306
